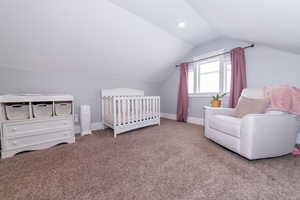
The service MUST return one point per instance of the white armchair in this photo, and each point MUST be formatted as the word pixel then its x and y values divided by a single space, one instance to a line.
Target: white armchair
pixel 255 135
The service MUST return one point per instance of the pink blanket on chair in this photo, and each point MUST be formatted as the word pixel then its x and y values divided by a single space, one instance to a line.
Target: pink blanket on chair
pixel 284 98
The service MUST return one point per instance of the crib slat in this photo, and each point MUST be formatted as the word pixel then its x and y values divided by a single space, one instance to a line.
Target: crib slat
pixel 155 107
pixel 132 110
pixel 104 107
pixel 154 104
pixel 157 100
pixel 107 105
pixel 128 109
pixel 147 102
pixel 144 108
pixel 135 109
pixel 123 110
pixel 159 107
pixel 114 111
pixel 140 109
pixel 119 110
pixel 150 107
pixel 110 104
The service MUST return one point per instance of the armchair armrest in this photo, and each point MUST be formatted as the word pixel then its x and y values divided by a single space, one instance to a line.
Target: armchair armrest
pixel 267 135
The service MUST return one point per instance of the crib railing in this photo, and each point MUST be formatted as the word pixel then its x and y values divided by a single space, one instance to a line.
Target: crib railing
pixel 125 110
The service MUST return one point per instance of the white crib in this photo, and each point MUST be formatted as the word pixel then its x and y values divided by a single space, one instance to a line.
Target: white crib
pixel 127 109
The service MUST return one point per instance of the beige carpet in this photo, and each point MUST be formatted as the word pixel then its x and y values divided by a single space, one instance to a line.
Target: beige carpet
pixel 171 161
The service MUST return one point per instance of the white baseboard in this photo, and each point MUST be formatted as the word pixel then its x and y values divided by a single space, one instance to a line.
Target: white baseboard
pixel 168 116
pixel 97 126
pixel 94 126
pixel 192 120
pixel 195 120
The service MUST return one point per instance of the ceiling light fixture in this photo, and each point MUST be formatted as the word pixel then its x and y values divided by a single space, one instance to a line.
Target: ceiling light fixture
pixel 181 24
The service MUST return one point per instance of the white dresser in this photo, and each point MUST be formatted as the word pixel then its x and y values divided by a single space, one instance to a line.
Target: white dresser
pixel 33 122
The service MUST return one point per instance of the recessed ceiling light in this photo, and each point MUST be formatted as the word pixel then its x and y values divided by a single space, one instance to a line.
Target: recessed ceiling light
pixel 181 24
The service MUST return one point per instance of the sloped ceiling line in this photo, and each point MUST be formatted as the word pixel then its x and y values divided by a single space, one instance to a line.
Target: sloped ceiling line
pixel 272 23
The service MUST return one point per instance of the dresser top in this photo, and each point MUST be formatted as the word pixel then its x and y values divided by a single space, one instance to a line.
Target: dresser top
pixel 12 98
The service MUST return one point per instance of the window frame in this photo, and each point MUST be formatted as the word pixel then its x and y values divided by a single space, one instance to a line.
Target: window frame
pixel 225 63
pixel 224 60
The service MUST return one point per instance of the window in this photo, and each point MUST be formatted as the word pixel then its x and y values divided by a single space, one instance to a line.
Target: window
pixel 210 76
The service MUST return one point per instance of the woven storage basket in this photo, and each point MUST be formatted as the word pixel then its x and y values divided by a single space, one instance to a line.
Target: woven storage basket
pixel 42 110
pixel 17 111
pixel 63 108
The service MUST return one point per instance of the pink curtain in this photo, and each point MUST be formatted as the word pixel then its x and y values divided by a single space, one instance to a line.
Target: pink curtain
pixel 182 102
pixel 238 75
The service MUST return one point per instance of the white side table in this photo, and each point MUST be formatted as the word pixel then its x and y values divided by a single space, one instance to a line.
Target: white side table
pixel 204 109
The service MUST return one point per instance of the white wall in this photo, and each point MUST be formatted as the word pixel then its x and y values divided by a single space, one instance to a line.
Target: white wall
pixel 79 47
pixel 265 67
pixel 93 36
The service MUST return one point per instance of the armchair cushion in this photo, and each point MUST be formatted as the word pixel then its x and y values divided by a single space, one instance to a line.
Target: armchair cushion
pixel 250 106
pixel 226 124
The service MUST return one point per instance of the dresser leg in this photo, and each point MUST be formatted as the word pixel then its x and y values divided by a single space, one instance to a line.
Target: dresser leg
pixel 7 154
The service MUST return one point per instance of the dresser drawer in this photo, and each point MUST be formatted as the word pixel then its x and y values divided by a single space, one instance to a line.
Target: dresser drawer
pixel 21 129
pixel 15 143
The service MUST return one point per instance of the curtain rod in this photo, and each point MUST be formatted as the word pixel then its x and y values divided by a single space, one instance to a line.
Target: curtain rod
pixel 227 52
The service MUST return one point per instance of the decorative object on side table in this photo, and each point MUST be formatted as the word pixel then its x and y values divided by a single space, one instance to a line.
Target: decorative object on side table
pixel 216 102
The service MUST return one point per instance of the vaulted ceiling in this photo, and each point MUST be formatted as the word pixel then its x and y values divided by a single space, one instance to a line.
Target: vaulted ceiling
pixel 134 39
pixel 268 22
pixel 273 23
